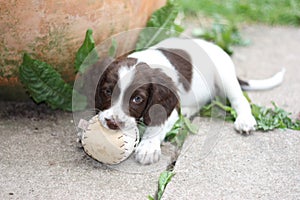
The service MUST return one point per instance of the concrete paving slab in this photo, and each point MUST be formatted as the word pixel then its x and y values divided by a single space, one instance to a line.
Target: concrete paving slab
pixel 260 166
pixel 40 159
pixel 221 164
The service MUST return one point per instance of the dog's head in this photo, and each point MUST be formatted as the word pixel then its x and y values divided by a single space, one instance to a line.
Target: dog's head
pixel 129 91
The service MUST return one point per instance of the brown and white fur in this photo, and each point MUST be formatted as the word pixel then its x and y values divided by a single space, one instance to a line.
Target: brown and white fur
pixel 150 85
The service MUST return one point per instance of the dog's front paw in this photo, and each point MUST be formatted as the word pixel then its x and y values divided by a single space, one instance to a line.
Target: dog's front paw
pixel 245 124
pixel 148 152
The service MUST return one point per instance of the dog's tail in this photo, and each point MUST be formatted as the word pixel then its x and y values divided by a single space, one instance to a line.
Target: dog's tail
pixel 264 84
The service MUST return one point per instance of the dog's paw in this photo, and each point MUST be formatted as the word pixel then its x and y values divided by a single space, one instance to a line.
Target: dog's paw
pixel 245 124
pixel 148 152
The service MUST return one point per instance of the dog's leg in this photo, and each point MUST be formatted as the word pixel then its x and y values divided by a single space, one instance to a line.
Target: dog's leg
pixel 148 150
pixel 245 122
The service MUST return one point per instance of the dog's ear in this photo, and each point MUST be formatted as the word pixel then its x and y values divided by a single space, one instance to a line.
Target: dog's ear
pixel 162 101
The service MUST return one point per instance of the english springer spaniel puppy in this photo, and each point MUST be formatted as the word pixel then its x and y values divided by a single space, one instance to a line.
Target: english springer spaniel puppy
pixel 177 74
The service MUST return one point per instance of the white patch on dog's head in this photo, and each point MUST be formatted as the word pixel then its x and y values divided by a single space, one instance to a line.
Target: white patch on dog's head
pixel 126 75
pixel 115 112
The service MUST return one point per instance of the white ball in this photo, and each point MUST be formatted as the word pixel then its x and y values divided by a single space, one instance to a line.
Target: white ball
pixel 108 146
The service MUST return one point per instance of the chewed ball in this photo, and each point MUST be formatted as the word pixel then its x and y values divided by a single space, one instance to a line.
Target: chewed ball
pixel 108 146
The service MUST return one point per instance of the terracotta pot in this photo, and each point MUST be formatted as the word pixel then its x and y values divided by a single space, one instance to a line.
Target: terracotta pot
pixel 53 30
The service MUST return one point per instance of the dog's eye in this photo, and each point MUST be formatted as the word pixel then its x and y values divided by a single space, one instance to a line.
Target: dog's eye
pixel 137 100
pixel 107 92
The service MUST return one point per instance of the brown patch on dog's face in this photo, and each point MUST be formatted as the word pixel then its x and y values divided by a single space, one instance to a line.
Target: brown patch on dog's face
pixel 182 62
pixel 150 89
pixel 138 101
pixel 107 85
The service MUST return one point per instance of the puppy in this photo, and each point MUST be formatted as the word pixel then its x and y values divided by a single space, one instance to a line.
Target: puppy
pixel 152 85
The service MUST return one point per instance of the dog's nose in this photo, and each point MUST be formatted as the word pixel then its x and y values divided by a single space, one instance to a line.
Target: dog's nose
pixel 113 124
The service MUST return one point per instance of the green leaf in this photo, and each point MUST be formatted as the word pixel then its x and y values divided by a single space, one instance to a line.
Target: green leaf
pixel 113 48
pixel 271 118
pixel 164 178
pixel 267 118
pixel 142 128
pixel 180 130
pixel 160 26
pixel 86 54
pixel 224 35
pixel 79 101
pixel 150 198
pixel 217 109
pixel 191 127
pixel 45 84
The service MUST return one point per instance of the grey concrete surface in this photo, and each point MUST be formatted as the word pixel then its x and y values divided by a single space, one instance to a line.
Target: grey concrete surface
pixel 221 164
pixel 40 159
